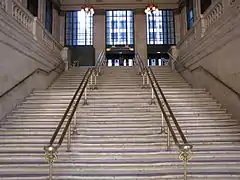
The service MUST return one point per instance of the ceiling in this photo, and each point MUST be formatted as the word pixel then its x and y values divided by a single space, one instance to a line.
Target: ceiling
pixel 117 4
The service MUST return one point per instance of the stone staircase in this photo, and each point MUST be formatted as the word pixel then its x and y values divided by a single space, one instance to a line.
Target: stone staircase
pixel 206 124
pixel 118 132
pixel 29 127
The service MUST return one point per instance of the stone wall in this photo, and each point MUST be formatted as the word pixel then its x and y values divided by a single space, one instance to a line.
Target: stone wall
pixel 209 53
pixel 24 47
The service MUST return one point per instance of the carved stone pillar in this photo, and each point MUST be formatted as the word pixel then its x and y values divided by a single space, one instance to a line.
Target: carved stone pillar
pixel 66 57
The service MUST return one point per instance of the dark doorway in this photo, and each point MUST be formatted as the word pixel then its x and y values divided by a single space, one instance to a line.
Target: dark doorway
pixel 158 59
pixel 120 56
pixel 82 55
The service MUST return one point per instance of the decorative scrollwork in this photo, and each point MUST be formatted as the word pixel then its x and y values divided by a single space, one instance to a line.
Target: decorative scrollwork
pixel 185 153
pixel 234 4
pixel 185 156
pixel 50 154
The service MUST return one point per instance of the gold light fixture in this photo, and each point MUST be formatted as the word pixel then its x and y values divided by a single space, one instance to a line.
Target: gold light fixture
pixel 151 8
pixel 87 8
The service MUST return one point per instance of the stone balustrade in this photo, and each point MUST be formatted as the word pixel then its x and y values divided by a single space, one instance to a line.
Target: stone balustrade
pixel 3 4
pixel 214 12
pixel 219 10
pixel 22 15
pixel 15 9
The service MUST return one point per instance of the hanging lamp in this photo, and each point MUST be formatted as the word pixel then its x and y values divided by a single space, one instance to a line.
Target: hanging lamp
pixel 87 8
pixel 151 8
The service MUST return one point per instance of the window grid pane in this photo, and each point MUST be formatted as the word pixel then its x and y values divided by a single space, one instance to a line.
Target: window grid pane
pixel 119 27
pixel 48 16
pixel 79 28
pixel 160 27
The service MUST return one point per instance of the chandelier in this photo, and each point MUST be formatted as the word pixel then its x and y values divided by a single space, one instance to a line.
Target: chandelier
pixel 87 8
pixel 151 8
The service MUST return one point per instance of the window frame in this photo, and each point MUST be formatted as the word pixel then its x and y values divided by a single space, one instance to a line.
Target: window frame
pixel 91 34
pixel 49 16
pixel 126 20
pixel 190 9
pixel 166 28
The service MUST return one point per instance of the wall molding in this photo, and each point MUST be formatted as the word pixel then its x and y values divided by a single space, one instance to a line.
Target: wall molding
pixel 214 39
pixel 23 38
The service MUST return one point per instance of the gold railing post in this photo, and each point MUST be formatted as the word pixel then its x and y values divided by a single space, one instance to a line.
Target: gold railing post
pixel 185 155
pixel 163 130
pixel 143 76
pixel 91 80
pixel 51 156
pixel 69 139
pixel 147 80
pixel 75 123
pixel 168 139
pixel 152 96
pixel 85 96
pixel 95 81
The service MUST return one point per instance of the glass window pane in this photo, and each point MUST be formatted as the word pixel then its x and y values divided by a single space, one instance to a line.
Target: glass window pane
pixel 160 27
pixel 119 27
pixel 79 26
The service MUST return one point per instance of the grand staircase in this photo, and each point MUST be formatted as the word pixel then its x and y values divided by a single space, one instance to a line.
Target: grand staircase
pixel 118 135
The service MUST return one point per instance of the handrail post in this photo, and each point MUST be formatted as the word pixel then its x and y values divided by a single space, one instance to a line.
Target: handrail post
pixel 168 139
pixel 143 80
pixel 95 81
pixel 85 96
pixel 91 86
pixel 69 139
pixel 51 156
pixel 152 101
pixel 91 79
pixel 163 130
pixel 75 123
pixel 185 155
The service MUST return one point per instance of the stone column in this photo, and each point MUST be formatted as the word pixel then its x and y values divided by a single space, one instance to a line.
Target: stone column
pixel 66 57
pixel 41 10
pixel 183 20
pixel 197 9
pixel 177 21
pixel 62 28
pixel 55 25
pixel 99 33
pixel 140 31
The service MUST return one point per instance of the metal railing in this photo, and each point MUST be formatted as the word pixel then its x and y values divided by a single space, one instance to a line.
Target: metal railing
pixel 167 114
pixel 38 70
pixel 70 116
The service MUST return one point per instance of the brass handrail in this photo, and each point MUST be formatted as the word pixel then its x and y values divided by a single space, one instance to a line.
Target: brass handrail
pixel 163 110
pixel 52 148
pixel 67 110
pixel 28 76
pixel 88 73
pixel 185 147
pixel 168 108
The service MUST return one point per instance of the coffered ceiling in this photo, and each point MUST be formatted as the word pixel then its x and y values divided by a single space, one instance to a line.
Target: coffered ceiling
pixel 117 4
